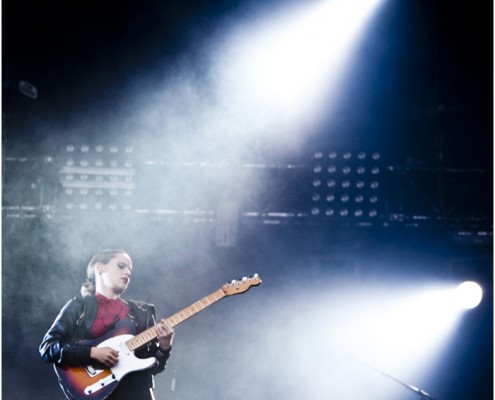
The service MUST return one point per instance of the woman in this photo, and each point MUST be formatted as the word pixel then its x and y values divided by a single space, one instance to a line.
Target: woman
pixel 94 315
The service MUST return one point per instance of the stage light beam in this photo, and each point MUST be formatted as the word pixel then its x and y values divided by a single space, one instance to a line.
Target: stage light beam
pixel 416 325
pixel 287 67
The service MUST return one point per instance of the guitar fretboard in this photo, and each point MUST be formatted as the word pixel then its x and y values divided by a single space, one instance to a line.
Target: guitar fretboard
pixel 150 334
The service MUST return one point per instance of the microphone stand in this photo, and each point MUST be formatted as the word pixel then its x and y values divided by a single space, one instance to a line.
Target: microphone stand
pixel 420 392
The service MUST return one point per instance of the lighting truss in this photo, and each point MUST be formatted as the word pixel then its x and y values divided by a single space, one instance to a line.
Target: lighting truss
pixel 355 188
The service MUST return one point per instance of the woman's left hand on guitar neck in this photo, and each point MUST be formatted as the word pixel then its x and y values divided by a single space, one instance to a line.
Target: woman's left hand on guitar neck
pixel 165 334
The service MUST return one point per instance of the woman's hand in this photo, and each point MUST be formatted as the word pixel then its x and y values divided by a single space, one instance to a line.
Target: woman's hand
pixel 165 334
pixel 105 355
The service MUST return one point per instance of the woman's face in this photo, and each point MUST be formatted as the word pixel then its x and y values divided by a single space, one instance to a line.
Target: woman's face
pixel 116 274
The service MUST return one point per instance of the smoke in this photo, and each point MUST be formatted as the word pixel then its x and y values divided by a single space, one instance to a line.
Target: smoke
pixel 204 104
pixel 279 340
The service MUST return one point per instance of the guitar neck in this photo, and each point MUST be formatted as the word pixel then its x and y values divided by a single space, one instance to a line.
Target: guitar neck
pixel 195 308
pixel 150 335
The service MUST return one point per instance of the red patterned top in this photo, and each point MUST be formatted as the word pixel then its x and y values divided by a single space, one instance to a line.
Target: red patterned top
pixel 109 312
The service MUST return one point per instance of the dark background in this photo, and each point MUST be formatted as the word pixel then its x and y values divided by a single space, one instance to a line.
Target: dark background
pixel 422 97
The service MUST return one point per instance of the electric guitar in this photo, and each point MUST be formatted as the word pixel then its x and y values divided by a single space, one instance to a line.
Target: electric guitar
pixel 92 382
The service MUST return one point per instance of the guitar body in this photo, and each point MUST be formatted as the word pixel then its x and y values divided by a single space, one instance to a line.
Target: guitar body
pixel 97 383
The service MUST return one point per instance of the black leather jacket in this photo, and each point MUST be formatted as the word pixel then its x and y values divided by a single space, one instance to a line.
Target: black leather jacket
pixel 63 345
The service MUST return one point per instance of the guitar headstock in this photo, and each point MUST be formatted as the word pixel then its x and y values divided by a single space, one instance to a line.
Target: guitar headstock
pixel 241 285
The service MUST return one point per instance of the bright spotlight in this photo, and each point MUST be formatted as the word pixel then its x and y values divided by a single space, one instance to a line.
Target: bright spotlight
pixel 469 294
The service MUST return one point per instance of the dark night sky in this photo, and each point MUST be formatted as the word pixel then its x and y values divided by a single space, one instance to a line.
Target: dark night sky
pixel 421 93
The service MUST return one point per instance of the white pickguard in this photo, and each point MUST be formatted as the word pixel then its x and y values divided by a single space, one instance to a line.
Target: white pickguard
pixel 127 363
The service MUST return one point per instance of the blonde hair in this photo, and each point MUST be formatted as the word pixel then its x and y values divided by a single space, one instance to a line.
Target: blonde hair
pixel 104 257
